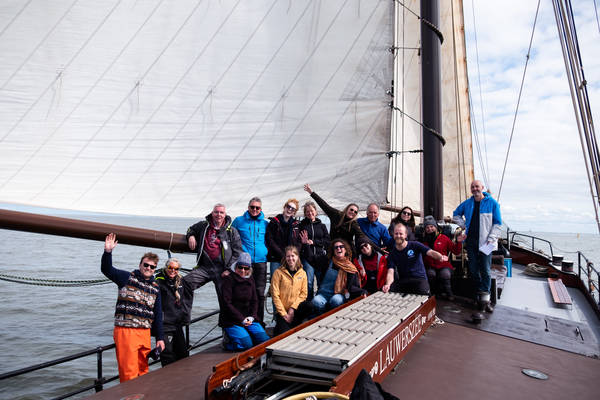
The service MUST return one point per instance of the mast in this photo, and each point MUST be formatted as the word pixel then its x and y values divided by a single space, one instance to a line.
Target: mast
pixel 431 41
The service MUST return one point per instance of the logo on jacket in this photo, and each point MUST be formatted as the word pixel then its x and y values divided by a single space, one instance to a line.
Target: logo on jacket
pixel 411 253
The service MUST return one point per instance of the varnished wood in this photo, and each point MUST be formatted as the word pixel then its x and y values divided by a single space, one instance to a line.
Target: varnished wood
pixel 229 368
pixel 559 291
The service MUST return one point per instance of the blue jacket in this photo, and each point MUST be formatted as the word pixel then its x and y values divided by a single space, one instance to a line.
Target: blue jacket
pixel 376 231
pixel 490 219
pixel 252 232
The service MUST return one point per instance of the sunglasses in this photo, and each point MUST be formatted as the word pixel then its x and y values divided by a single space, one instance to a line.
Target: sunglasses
pixel 407 213
pixel 243 267
pixel 339 246
pixel 173 268
pixel 352 210
pixel 291 208
pixel 151 266
pixel 254 207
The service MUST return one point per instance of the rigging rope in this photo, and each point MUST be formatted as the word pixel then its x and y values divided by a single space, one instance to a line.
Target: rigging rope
pixel 486 167
pixel 431 130
pixel 512 131
pixel 53 282
pixel 427 23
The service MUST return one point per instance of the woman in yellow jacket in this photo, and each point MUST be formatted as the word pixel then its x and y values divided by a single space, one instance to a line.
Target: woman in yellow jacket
pixel 289 291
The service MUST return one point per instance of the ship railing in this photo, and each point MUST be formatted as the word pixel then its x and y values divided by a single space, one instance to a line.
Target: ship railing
pixel 588 274
pixel 101 380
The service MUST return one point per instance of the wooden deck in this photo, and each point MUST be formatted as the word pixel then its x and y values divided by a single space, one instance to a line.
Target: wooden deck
pixel 456 362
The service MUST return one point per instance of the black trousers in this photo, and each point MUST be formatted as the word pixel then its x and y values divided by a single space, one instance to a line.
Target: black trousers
pixel 175 347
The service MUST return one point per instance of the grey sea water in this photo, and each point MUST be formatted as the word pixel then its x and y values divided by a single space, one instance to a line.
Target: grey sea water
pixel 42 323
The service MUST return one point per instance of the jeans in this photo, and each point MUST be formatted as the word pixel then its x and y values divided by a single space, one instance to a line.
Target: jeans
pixel 244 337
pixel 411 286
pixel 320 302
pixel 273 266
pixel 479 268
pixel 310 277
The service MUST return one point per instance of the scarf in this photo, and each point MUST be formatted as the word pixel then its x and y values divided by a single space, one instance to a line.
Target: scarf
pixel 345 267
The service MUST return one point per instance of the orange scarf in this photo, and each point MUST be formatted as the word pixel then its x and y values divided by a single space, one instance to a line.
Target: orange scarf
pixel 345 267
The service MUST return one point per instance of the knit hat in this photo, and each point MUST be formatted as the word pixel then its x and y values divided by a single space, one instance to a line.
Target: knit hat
pixel 429 220
pixel 362 241
pixel 244 259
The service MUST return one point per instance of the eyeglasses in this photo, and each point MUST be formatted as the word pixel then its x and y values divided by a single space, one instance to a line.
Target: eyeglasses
pixel 406 213
pixel 243 267
pixel 339 246
pixel 291 208
pixel 151 266
pixel 254 207
pixel 173 268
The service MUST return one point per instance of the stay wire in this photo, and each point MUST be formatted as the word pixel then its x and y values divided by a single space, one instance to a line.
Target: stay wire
pixel 518 99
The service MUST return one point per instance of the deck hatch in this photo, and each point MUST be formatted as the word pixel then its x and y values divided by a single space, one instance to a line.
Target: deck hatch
pixel 338 340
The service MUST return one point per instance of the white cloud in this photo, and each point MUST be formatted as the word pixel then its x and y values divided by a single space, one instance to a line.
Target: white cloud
pixel 545 187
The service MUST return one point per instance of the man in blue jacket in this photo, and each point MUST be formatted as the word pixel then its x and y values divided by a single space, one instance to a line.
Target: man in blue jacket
pixel 480 214
pixel 374 229
pixel 252 227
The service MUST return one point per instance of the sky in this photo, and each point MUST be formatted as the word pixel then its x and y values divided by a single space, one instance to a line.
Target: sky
pixel 545 186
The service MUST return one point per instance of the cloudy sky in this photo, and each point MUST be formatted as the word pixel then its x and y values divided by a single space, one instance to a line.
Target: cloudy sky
pixel 545 186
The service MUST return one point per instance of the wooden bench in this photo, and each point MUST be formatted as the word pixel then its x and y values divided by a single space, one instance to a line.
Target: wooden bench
pixel 559 291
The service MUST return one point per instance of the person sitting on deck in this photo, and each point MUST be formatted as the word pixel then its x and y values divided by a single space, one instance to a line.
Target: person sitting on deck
pixel 340 279
pixel 374 229
pixel 138 310
pixel 440 272
pixel 218 245
pixel 406 259
pixel 372 267
pixel 343 223
pixel 252 227
pixel 315 241
pixel 289 292
pixel 239 307
pixel 173 291
pixel 406 216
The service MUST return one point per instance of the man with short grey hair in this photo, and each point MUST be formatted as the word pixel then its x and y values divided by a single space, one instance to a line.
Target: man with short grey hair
pixel 218 246
pixel 374 229
pixel 252 227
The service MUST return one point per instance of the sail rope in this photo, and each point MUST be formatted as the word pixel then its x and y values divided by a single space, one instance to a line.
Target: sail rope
pixel 485 168
pixel 427 23
pixel 596 11
pixel 27 280
pixel 430 130
pixel 53 282
pixel 512 131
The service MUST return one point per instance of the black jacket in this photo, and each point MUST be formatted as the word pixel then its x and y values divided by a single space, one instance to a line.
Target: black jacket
pixel 231 244
pixel 317 232
pixel 175 314
pixel 277 240
pixel 239 300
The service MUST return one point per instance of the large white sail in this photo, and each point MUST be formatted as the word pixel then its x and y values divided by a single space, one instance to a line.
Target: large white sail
pixel 167 107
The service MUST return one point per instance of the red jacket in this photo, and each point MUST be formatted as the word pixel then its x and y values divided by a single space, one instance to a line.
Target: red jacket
pixel 381 270
pixel 442 245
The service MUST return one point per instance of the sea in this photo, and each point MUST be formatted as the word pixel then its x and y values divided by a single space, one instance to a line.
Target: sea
pixel 42 323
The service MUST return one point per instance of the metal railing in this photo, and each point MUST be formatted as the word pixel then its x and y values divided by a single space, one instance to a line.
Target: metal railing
pixel 100 380
pixel 585 268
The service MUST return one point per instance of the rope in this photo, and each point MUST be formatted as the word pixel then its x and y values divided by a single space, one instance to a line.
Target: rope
pixel 512 131
pixel 431 130
pixel 53 282
pixel 427 23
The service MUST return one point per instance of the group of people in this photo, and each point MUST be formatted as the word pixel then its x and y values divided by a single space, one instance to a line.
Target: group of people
pixel 312 269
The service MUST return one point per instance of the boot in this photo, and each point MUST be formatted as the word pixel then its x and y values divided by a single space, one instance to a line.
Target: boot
pixel 483 301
